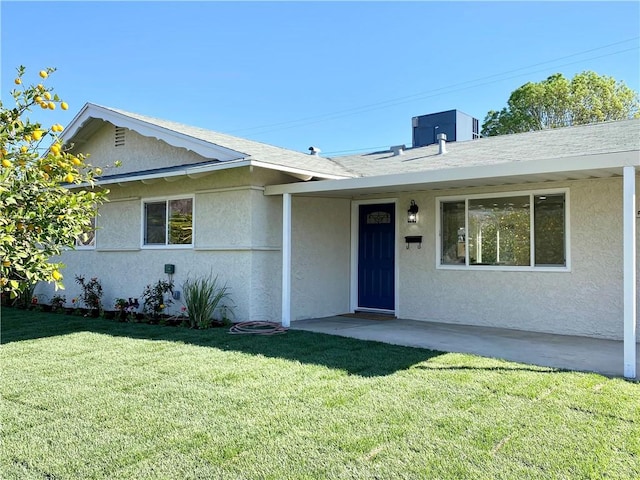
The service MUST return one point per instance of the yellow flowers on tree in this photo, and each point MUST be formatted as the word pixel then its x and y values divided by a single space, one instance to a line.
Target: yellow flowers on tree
pixel 48 197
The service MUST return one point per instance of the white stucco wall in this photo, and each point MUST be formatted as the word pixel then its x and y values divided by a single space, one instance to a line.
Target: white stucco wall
pixel 266 261
pixel 584 301
pixel 124 274
pixel 119 224
pixel 265 282
pixel 320 257
pixel 237 231
pixel 138 152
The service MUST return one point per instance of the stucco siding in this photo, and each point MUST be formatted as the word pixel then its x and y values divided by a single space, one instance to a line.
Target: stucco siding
pixel 266 219
pixel 124 274
pixel 223 219
pixel 138 152
pixel 320 257
pixel 119 224
pixel 266 266
pixel 237 232
pixel 587 300
pixel 265 285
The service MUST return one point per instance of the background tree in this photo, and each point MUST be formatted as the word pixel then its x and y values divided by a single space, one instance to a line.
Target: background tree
pixel 48 196
pixel 558 102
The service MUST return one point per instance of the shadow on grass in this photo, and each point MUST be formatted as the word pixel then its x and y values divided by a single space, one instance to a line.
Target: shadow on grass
pixel 356 357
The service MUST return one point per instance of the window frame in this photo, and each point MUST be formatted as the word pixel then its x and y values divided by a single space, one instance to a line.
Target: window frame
pixel 92 246
pixel 166 200
pixel 528 268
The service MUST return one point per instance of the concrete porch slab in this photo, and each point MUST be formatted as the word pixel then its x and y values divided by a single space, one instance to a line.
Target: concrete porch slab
pixel 543 349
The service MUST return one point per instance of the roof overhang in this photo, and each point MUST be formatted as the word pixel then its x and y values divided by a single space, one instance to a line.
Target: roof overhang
pixel 534 171
pixel 171 174
pixel 89 118
pixel 197 171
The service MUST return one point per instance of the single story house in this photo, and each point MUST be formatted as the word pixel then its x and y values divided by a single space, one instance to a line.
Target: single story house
pixel 533 231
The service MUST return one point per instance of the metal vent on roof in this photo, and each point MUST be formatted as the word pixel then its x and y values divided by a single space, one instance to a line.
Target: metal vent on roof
pixel 398 150
pixel 119 137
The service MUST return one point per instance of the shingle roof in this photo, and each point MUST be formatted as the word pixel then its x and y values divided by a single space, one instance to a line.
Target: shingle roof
pixel 578 141
pixel 583 140
pixel 279 158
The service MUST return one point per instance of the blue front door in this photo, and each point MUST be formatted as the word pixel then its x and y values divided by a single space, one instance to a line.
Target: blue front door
pixel 376 256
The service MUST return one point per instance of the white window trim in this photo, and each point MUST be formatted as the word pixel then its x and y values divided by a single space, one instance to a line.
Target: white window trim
pixel 95 236
pixel 143 201
pixel 528 268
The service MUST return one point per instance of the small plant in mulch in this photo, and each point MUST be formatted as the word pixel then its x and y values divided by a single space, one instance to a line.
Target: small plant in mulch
pixel 26 297
pixel 154 302
pixel 126 310
pixel 57 303
pixel 91 293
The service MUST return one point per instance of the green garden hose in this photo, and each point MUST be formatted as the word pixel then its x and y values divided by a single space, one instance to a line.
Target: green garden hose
pixel 257 328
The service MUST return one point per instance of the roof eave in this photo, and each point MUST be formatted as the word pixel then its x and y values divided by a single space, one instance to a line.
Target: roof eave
pixel 172 175
pixel 202 170
pixel 579 167
pixel 299 172
pixel 171 137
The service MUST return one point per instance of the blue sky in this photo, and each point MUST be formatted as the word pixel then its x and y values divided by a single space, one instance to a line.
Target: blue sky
pixel 342 76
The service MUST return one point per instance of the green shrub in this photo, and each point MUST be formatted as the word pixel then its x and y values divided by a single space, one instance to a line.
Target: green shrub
pixel 26 298
pixel 154 301
pixel 91 295
pixel 58 302
pixel 202 297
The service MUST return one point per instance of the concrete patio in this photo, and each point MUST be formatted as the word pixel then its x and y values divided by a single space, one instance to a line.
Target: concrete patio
pixel 549 350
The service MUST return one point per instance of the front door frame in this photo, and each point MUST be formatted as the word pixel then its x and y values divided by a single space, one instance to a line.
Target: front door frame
pixel 355 237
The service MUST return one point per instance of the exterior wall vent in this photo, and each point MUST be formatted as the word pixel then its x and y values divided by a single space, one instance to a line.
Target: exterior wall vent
pixel 119 137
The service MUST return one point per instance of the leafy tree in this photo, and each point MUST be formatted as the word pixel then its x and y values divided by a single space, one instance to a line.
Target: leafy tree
pixel 558 102
pixel 48 196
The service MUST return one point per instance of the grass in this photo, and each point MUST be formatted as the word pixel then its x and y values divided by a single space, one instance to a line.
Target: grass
pixel 95 399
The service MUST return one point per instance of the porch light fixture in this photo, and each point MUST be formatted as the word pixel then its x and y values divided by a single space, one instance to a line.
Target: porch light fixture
pixel 412 212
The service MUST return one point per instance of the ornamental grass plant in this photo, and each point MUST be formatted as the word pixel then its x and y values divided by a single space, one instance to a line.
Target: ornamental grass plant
pixel 202 297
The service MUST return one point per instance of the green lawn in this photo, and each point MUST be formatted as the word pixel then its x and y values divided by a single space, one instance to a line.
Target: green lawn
pixel 95 399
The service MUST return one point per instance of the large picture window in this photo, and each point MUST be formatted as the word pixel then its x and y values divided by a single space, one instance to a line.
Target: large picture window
pixel 514 230
pixel 168 222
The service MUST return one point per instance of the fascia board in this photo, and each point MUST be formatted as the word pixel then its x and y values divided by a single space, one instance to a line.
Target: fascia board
pixel 188 171
pixel 75 125
pixel 174 173
pixel 477 172
pixel 296 171
pixel 176 139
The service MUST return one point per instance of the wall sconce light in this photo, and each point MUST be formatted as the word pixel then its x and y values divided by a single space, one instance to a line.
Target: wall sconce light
pixel 412 213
